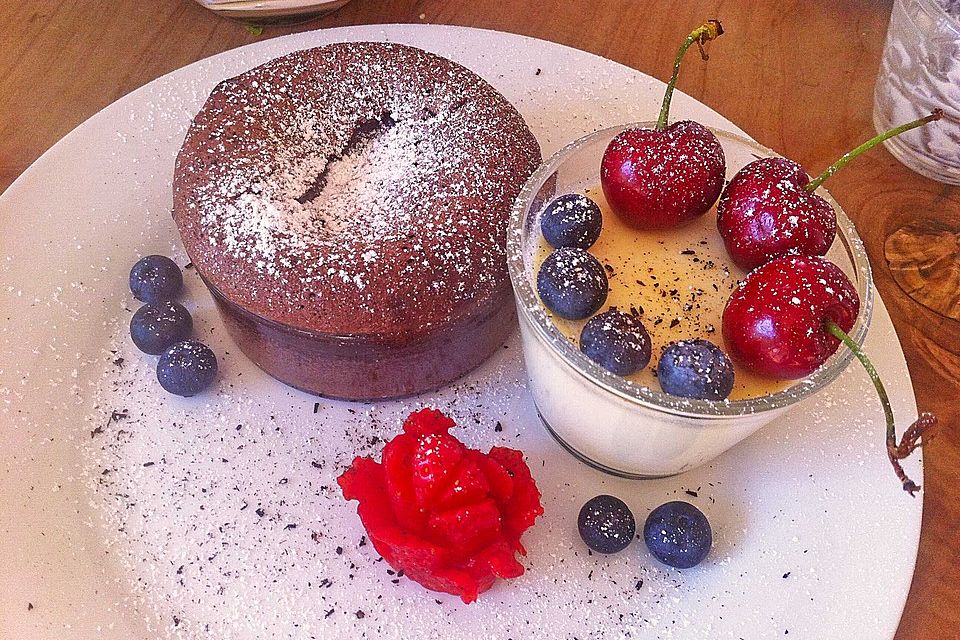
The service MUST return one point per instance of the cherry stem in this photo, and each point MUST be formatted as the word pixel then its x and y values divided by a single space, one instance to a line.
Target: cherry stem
pixel 911 437
pixel 936 114
pixel 706 32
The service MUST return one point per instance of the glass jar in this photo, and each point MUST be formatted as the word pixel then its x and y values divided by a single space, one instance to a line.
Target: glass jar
pixel 920 71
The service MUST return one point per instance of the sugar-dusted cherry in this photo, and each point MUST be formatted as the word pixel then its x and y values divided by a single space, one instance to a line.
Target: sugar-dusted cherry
pixel 788 316
pixel 669 175
pixel 771 208
pixel 773 321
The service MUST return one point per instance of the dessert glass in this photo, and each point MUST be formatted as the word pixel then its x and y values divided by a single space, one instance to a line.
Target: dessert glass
pixel 610 422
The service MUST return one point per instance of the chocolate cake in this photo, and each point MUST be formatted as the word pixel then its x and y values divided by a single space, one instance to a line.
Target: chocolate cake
pixel 347 208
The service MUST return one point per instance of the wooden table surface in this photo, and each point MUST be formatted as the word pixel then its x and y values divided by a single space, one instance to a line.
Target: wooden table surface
pixel 797 76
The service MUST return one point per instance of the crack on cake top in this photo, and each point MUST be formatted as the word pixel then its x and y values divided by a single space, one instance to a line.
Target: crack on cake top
pixel 365 131
pixel 370 179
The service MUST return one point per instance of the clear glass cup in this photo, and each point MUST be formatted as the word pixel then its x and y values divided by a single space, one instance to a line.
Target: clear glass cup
pixel 919 72
pixel 615 424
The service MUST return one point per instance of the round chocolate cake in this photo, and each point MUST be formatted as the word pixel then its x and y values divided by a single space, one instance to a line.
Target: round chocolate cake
pixel 347 207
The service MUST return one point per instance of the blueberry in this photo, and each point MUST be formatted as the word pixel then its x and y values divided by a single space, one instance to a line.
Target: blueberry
pixel 678 534
pixel 187 368
pixel 573 220
pixel 695 369
pixel 154 327
pixel 155 279
pixel 572 283
pixel 617 341
pixel 606 524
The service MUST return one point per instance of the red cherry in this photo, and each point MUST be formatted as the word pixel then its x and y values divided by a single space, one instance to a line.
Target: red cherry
pixel 659 179
pixel 765 212
pixel 770 208
pixel 774 320
pixel 791 314
pixel 669 175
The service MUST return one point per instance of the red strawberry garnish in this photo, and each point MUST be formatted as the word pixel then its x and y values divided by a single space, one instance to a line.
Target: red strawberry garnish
pixel 449 517
pixel 468 528
pixel 467 486
pixel 435 458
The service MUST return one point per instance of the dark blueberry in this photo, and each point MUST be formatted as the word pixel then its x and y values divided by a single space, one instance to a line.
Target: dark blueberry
pixel 695 369
pixel 572 283
pixel 606 524
pixel 617 341
pixel 678 534
pixel 155 279
pixel 155 327
pixel 573 220
pixel 187 368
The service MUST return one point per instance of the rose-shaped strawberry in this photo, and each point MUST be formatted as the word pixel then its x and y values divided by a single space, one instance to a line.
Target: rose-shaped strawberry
pixel 449 517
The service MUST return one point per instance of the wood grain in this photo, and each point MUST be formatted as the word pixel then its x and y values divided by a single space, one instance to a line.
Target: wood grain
pixel 797 76
pixel 924 259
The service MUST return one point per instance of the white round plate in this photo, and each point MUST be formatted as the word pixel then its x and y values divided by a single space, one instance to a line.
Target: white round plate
pixel 129 513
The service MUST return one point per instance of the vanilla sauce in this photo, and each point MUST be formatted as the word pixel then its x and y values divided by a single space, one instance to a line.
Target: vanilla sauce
pixel 676 281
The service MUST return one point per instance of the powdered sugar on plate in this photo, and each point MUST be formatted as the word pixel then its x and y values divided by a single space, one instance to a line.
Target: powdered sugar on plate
pixel 225 511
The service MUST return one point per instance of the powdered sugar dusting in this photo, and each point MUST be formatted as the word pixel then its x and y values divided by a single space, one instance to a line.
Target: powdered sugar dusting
pixel 365 193
pixel 352 187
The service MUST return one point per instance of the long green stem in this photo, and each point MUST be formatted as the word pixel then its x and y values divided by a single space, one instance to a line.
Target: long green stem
pixel 911 437
pixel 848 342
pixel 710 30
pixel 869 144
